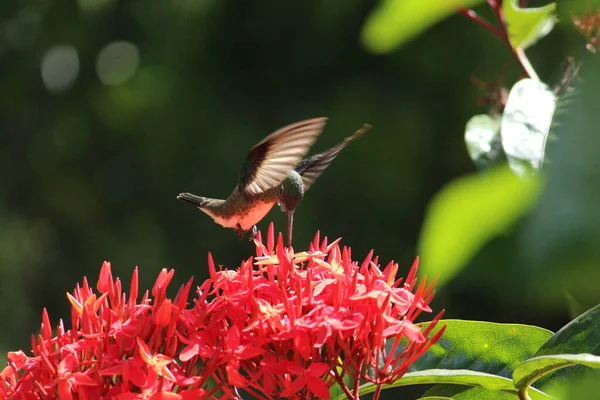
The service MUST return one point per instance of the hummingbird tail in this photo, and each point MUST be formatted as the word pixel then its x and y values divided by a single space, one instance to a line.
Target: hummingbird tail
pixel 363 129
pixel 311 168
pixel 199 201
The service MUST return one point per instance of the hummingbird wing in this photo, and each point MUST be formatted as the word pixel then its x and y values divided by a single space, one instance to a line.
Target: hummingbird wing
pixel 268 163
pixel 311 168
pixel 199 201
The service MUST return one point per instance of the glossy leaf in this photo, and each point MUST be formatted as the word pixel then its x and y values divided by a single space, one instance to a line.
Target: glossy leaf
pixel 581 335
pixel 467 213
pixel 526 123
pixel 394 22
pixel 533 369
pixel 527 25
pixel 482 137
pixel 435 398
pixel 475 353
pixel 584 387
pixel 458 392
pixel 456 377
pixel 482 346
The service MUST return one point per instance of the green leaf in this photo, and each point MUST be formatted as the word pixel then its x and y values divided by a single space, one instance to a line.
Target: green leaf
pixel 527 25
pixel 467 213
pixel 533 369
pixel 394 22
pixel 458 392
pixel 482 137
pixel 482 346
pixel 526 123
pixel 581 335
pixel 584 387
pixel 456 377
pixel 435 398
pixel 335 391
pixel 474 353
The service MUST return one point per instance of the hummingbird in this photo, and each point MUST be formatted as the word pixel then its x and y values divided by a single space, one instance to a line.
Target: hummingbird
pixel 275 171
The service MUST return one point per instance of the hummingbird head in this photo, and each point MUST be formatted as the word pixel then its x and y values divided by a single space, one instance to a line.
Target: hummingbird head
pixel 291 191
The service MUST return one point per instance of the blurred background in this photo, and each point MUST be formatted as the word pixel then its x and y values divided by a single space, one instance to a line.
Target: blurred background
pixel 109 109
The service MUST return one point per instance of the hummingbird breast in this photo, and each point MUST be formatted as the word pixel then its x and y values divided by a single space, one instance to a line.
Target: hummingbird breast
pixel 244 212
pixel 249 216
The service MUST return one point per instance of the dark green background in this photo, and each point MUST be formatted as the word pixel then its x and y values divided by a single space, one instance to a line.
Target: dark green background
pixel 91 174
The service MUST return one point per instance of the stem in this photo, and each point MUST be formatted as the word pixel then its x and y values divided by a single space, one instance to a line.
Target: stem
pixel 377 392
pixel 523 394
pixel 527 67
pixel 357 380
pixel 502 33
pixel 473 16
pixel 340 381
pixel 519 53
pixel 497 9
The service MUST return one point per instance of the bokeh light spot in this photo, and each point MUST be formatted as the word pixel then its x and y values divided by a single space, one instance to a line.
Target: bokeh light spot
pixel 117 63
pixel 60 67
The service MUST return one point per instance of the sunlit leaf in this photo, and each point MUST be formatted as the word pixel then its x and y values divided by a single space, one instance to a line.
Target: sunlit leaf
pixel 585 387
pixel 533 369
pixel 458 392
pixel 394 22
pixel 456 377
pixel 467 213
pixel 435 397
pixel 527 25
pixel 482 346
pixel 581 335
pixel 474 353
pixel 525 124
pixel 482 137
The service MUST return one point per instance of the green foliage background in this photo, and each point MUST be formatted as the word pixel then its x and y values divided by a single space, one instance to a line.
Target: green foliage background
pixel 91 174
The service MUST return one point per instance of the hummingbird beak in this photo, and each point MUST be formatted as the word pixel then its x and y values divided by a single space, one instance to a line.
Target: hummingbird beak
pixel 253 233
pixel 290 218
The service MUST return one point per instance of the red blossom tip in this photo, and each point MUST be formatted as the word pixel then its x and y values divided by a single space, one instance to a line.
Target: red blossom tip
pixel 271 238
pixel 411 279
pixel 163 280
pixel 133 289
pixel 105 276
pixel 211 267
pixel 46 328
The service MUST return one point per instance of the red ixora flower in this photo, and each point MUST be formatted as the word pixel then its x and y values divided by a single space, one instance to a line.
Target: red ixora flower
pixel 283 325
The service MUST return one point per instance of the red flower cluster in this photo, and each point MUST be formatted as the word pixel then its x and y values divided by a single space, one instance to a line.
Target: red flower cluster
pixel 282 325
